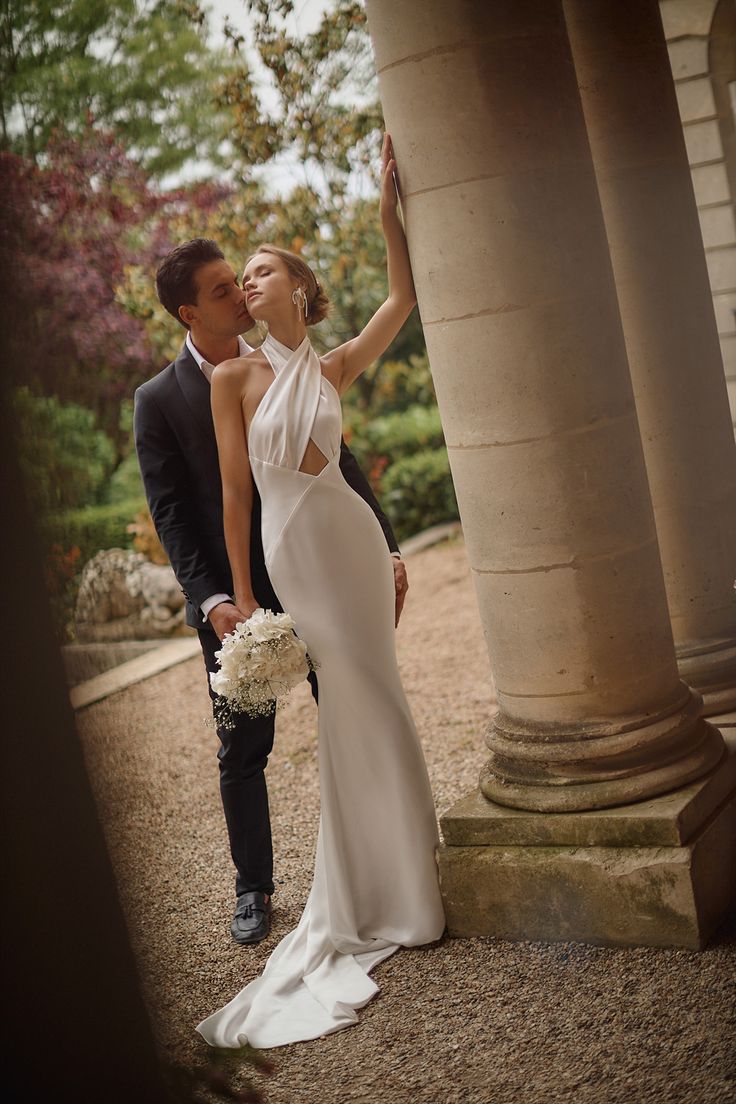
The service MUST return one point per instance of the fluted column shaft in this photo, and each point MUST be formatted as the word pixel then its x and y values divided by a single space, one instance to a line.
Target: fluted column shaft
pixel 521 319
pixel 651 219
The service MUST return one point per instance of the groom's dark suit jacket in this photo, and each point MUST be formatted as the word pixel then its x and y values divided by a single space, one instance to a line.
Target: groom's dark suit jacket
pixel 177 452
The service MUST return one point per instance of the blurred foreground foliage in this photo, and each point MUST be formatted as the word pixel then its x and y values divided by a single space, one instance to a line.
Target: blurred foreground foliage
pixel 225 1074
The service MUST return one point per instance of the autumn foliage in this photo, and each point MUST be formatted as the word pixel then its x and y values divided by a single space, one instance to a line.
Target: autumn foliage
pixel 72 227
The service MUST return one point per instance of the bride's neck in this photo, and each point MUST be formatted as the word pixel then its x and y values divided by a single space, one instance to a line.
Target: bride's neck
pixel 290 332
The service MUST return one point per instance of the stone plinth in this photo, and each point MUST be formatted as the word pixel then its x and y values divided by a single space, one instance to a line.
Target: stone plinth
pixel 658 873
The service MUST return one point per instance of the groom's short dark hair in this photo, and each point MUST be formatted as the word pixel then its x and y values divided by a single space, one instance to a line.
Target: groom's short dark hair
pixel 175 278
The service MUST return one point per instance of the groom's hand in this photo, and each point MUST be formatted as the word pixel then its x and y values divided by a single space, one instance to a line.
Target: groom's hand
pixel 402 585
pixel 224 617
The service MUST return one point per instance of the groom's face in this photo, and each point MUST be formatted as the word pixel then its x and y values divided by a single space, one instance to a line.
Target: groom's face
pixel 219 308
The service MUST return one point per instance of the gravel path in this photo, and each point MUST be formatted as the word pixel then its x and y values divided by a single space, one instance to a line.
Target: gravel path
pixel 479 1021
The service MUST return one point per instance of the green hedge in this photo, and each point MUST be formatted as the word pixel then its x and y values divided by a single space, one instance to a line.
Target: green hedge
pixel 386 440
pixel 417 492
pixel 65 459
pixel 92 528
pixel 125 483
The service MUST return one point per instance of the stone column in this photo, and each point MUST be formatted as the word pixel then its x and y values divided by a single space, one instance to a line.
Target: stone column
pixel 520 314
pixel 522 325
pixel 666 308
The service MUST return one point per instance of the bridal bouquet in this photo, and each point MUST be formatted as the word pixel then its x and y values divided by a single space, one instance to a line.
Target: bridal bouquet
pixel 260 662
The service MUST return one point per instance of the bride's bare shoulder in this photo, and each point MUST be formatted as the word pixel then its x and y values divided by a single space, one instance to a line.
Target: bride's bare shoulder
pixel 236 372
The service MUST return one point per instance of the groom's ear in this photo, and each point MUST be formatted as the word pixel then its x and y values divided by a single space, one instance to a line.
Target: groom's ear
pixel 188 315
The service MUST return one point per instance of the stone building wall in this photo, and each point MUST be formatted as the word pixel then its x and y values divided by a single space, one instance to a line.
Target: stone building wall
pixel 701 40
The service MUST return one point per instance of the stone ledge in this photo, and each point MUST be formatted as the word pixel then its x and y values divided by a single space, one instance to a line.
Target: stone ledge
pixel 429 537
pixel 612 896
pixel 83 662
pixel 135 670
pixel 668 820
pixel 724 720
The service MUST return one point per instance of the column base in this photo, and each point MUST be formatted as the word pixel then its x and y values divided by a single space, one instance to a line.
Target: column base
pixel 658 873
pixel 711 670
pixel 558 768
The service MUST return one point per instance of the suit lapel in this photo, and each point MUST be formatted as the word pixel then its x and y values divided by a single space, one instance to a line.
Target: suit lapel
pixel 196 390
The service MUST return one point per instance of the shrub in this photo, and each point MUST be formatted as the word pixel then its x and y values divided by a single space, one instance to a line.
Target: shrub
pixel 72 537
pixel 125 483
pixel 403 455
pixel 62 583
pixel 418 491
pixel 65 459
pixel 92 528
pixel 384 441
pixel 145 537
pixel 396 384
pixel 399 384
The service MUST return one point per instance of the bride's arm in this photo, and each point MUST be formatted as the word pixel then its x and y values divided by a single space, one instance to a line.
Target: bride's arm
pixel 226 398
pixel 358 354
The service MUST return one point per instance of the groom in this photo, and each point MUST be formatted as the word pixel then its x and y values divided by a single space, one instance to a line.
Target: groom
pixel 177 453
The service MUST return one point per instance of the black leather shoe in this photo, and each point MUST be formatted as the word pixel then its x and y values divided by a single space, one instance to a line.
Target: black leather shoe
pixel 252 919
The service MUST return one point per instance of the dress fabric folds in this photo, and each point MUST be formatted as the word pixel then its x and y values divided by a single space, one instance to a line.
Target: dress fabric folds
pixel 375 885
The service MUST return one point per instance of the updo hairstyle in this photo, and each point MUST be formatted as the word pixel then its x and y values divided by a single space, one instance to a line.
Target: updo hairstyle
pixel 318 305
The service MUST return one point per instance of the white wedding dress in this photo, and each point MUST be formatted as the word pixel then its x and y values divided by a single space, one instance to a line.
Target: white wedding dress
pixel 375 882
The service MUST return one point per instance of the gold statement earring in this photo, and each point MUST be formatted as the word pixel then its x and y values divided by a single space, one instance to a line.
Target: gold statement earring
pixel 299 300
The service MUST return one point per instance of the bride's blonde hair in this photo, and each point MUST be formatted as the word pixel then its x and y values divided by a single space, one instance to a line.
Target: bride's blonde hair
pixel 318 305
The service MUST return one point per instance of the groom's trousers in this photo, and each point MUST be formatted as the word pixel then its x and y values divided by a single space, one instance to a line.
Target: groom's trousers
pixel 243 756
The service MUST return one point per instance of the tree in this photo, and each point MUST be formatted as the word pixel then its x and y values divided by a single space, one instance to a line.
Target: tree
pixel 70 230
pixel 142 68
pixel 326 126
pixel 327 120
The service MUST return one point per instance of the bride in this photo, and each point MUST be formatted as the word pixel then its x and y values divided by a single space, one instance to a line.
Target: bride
pixel 278 423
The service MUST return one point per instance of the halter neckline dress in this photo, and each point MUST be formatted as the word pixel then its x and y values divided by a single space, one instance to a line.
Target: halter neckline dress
pixel 375 885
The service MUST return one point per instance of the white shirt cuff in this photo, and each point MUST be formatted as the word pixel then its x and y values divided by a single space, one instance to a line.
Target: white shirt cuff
pixel 397 555
pixel 214 600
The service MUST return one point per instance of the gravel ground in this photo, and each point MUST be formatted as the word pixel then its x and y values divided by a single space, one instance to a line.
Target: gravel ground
pixel 478 1021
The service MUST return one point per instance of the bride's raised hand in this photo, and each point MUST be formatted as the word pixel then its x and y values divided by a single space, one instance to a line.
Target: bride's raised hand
pixel 389 196
pixel 357 354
